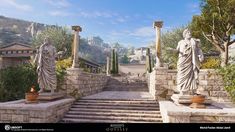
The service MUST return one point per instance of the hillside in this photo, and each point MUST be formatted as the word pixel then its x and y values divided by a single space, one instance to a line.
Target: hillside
pixel 15 30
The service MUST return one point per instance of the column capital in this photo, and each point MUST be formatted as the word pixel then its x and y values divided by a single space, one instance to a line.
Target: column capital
pixel 158 24
pixel 77 28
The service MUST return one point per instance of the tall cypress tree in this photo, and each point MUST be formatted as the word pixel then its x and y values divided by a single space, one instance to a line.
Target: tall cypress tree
pixel 112 62
pixel 116 63
pixel 148 61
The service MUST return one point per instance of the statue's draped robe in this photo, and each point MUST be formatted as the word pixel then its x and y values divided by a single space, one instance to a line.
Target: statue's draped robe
pixel 46 67
pixel 188 66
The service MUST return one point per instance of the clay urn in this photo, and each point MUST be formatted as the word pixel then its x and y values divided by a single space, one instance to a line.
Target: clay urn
pixel 32 95
pixel 199 99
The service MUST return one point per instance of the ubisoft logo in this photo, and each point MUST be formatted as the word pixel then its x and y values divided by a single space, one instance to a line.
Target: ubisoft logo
pixel 7 127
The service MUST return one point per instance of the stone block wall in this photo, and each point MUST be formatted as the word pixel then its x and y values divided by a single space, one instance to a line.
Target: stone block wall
pixel 48 112
pixel 216 113
pixel 79 84
pixel 163 84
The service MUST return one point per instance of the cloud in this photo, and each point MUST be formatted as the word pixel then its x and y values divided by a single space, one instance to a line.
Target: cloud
pixel 143 32
pixel 194 7
pixel 96 14
pixel 18 6
pixel 60 13
pixel 58 3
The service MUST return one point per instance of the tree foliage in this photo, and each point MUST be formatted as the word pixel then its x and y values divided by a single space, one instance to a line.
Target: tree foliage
pixel 217 24
pixel 124 59
pixel 171 39
pixel 60 38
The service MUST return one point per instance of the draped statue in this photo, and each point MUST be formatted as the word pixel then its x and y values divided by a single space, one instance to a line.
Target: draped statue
pixel 45 60
pixel 188 65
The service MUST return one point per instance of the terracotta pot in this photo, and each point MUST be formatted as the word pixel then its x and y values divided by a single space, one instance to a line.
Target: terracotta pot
pixel 31 96
pixel 198 99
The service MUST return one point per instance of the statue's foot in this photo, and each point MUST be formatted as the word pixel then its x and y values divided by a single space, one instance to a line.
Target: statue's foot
pixel 52 91
pixel 40 91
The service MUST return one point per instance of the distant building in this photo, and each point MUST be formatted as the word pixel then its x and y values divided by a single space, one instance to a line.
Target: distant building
pixel 95 41
pixel 15 54
pixel 139 56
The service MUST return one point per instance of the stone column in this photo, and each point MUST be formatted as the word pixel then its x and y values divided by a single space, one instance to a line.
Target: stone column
pixel 75 47
pixel 158 25
pixel 107 67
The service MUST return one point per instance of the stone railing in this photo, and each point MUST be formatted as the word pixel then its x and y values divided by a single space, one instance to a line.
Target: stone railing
pixel 79 83
pixel 163 84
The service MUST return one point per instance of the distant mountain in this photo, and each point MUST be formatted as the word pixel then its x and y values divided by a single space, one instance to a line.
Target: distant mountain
pixel 16 30
pixel 21 31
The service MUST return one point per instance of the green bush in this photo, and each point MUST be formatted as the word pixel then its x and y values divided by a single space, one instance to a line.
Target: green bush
pixel 211 63
pixel 228 74
pixel 16 81
pixel 61 67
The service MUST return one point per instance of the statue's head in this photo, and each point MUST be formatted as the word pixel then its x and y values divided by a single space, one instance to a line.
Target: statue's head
pixel 187 33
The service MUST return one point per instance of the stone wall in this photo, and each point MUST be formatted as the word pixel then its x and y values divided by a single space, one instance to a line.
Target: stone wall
pixel 79 83
pixel 163 84
pixel 215 113
pixel 48 112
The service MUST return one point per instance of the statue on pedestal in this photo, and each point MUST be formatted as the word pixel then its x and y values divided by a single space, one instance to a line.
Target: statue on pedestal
pixel 188 65
pixel 46 67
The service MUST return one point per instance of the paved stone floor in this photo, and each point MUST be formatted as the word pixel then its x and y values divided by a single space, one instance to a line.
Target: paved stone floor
pixel 125 95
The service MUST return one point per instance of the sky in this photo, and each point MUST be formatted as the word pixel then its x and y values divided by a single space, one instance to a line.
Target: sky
pixel 128 22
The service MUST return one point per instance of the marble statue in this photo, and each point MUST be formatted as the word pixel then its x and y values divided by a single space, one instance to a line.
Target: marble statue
pixel 45 60
pixel 188 65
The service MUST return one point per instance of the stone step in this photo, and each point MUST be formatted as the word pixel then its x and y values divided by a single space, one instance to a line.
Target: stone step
pixel 128 84
pixel 114 110
pixel 126 114
pixel 69 120
pixel 116 104
pixel 125 89
pixel 128 118
pixel 120 101
pixel 116 107
pixel 114 99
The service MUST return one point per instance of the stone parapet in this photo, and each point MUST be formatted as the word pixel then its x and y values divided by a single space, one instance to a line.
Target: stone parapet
pixel 42 112
pixel 215 113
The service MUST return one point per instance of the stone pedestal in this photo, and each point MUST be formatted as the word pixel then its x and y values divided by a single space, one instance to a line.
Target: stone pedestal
pixel 50 96
pixel 186 99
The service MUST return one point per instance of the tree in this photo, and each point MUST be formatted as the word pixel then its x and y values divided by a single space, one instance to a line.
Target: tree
pixel 217 25
pixel 125 59
pixel 148 61
pixel 171 39
pixel 116 63
pixel 113 62
pixel 60 38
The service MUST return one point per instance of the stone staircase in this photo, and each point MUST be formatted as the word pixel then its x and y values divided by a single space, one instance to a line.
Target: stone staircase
pixel 126 83
pixel 113 111
pixel 124 100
